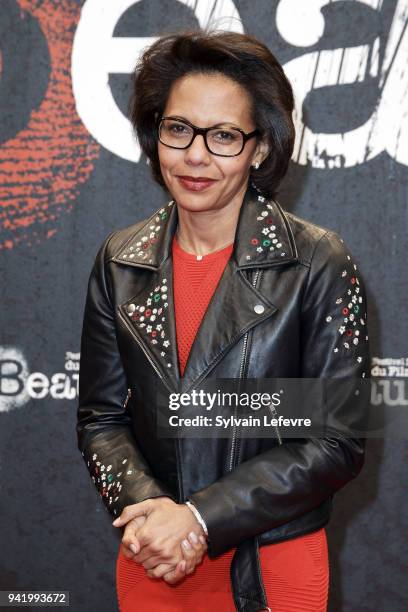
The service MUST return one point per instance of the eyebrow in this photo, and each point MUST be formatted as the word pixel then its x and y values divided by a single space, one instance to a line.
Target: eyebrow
pixel 222 123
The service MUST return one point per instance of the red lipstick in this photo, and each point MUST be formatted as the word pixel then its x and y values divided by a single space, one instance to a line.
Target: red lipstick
pixel 198 183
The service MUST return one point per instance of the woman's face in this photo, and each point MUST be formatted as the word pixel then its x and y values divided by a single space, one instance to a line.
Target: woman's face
pixel 207 100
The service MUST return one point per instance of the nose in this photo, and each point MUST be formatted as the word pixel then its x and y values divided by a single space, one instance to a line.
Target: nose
pixel 197 152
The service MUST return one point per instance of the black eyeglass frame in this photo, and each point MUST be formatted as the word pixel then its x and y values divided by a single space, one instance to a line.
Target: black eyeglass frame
pixel 203 131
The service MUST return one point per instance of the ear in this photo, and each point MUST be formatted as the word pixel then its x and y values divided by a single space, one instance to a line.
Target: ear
pixel 261 152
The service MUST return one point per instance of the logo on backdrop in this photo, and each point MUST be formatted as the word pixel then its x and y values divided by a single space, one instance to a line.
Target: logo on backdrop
pixel 97 53
pixel 362 65
pixel 389 396
pixel 44 163
pixel 18 385
pixel 387 127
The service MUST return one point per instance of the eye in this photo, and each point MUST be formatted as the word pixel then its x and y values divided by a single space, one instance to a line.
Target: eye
pixel 224 135
pixel 178 128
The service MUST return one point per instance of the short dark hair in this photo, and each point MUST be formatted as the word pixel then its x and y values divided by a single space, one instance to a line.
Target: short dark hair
pixel 241 57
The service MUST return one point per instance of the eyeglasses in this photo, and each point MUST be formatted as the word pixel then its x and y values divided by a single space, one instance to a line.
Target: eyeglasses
pixel 224 141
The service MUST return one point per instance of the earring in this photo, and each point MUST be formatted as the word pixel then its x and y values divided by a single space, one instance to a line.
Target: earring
pixel 256 165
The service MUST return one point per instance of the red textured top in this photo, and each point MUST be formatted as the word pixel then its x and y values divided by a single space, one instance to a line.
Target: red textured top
pixel 194 282
pixel 295 572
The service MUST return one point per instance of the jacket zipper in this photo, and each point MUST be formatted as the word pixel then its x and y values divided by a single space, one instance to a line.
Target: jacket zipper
pixel 275 414
pixel 244 350
pixel 129 393
pixel 241 372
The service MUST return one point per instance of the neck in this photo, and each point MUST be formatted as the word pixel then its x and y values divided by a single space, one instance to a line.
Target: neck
pixel 203 232
pixel 196 251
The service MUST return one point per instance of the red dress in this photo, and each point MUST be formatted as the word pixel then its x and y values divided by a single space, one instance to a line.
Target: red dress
pixel 295 572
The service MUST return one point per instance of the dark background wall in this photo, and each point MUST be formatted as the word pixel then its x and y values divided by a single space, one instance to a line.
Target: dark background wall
pixel 70 174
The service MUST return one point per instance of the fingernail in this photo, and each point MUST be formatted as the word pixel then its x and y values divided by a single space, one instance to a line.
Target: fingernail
pixel 193 537
pixel 202 539
pixel 133 548
pixel 115 521
pixel 186 544
pixel 183 566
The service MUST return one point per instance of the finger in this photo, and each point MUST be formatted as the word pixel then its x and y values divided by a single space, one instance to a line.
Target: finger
pixel 131 541
pixel 151 550
pixel 200 546
pixel 126 552
pixel 155 561
pixel 203 541
pixel 133 537
pixel 130 512
pixel 190 556
pixel 160 570
pixel 197 542
pixel 136 523
pixel 130 547
pixel 130 544
pixel 177 574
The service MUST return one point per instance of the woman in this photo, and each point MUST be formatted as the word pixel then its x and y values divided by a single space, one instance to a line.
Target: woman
pixel 219 283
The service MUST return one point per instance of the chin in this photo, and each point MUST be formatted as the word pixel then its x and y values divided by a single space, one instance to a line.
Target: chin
pixel 193 203
pixel 191 200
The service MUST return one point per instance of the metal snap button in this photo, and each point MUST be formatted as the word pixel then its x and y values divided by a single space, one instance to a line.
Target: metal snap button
pixel 259 308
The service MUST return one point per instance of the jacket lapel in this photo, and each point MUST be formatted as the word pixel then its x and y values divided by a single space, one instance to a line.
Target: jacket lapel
pixel 150 318
pixel 235 307
pixel 263 238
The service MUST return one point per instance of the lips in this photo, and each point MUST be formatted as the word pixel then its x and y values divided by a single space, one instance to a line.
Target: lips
pixel 198 183
pixel 199 179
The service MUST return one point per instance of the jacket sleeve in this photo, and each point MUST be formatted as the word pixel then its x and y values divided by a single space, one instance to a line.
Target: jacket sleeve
pixel 287 481
pixel 105 439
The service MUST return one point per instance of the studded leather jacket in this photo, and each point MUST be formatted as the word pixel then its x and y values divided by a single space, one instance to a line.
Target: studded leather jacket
pixel 289 304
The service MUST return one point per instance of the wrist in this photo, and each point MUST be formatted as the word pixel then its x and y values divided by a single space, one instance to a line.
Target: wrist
pixel 198 516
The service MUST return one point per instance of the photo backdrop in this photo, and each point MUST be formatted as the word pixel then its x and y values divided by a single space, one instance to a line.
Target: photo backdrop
pixel 71 172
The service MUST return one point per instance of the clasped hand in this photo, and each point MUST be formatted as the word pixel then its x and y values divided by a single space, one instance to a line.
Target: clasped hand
pixel 165 537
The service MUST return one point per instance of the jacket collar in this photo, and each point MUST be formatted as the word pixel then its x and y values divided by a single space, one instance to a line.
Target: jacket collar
pixel 263 236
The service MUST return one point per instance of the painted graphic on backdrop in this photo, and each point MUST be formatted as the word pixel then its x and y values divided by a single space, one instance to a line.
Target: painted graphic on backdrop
pixel 43 166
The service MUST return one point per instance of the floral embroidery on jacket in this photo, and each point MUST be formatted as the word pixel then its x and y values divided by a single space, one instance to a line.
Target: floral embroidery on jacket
pixel 267 238
pixel 140 250
pixel 107 479
pixel 149 317
pixel 349 311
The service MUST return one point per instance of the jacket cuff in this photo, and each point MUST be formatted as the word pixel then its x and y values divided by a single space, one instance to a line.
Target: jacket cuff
pixel 124 482
pixel 213 515
pixel 198 516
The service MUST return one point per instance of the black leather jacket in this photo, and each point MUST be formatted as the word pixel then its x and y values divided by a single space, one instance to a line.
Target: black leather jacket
pixel 312 323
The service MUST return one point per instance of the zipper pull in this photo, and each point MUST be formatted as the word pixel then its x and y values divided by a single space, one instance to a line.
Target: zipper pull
pixel 129 393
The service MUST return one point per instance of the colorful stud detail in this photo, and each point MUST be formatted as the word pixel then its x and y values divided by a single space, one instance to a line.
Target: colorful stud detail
pixel 268 239
pixel 351 325
pixel 149 317
pixel 140 249
pixel 106 479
